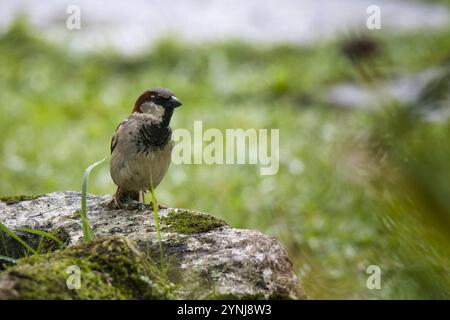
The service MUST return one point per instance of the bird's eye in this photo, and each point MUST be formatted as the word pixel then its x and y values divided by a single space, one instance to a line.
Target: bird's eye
pixel 159 100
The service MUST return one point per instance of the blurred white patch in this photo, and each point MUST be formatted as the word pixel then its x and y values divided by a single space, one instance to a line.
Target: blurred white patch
pixel 39 81
pixel 267 185
pixel 163 196
pixel 110 95
pixel 314 243
pixel 178 176
pixel 102 179
pixel 296 167
pixel 349 251
pixel 317 222
pixel 328 132
pixel 14 162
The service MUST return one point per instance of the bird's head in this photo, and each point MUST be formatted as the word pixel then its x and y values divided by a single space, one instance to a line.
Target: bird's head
pixel 156 102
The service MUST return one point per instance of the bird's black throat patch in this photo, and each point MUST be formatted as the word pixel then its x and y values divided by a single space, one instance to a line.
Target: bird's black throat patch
pixel 152 137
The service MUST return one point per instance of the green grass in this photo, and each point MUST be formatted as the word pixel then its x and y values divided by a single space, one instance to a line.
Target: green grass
pixel 330 205
pixel 8 259
pixel 88 234
pixel 43 234
pixel 158 228
pixel 17 238
pixel 443 2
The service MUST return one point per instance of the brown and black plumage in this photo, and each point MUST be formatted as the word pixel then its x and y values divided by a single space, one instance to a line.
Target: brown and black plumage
pixel 141 146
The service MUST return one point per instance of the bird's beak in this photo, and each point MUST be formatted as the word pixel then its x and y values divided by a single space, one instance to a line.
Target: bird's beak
pixel 174 102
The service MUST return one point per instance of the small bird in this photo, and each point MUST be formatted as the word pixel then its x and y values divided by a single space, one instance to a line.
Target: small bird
pixel 141 146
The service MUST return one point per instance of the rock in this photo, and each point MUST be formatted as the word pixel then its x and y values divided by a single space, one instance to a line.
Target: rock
pixel 204 257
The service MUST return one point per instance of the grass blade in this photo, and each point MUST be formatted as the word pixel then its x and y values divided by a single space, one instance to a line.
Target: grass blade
pixel 2 238
pixel 88 234
pixel 155 213
pixel 5 258
pixel 39 247
pixel 17 238
pixel 44 234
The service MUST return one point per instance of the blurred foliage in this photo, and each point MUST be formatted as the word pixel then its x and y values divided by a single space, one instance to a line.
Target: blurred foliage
pixel 443 2
pixel 413 181
pixel 355 188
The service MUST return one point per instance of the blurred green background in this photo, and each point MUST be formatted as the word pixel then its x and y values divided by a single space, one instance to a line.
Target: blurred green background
pixel 356 187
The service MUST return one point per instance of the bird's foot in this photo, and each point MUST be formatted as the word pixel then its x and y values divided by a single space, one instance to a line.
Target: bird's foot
pixel 159 206
pixel 128 204
pixel 112 205
pixel 127 200
pixel 132 205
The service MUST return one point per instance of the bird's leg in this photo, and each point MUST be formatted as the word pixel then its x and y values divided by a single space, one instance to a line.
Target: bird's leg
pixel 141 197
pixel 116 200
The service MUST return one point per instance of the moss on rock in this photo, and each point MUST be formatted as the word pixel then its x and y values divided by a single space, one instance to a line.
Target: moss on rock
pixel 15 199
pixel 110 268
pixel 190 223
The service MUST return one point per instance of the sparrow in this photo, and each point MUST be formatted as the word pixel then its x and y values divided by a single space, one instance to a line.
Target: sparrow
pixel 141 147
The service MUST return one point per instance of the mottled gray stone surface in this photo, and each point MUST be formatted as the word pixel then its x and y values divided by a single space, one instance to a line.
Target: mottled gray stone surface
pixel 223 261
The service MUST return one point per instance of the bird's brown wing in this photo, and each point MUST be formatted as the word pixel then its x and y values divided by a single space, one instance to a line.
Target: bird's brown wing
pixel 115 137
